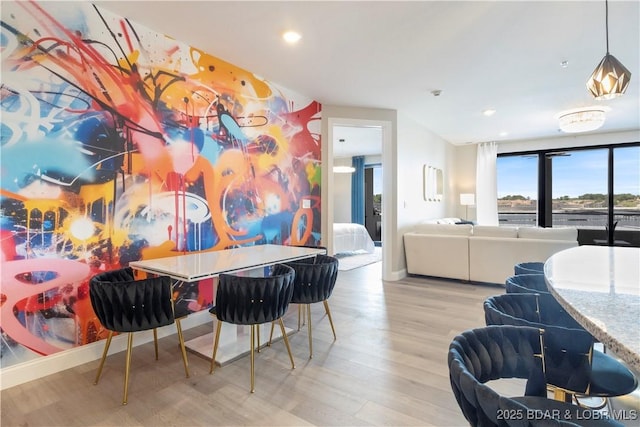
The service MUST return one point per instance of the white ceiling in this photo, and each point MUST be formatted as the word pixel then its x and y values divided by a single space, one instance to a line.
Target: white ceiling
pixel 504 55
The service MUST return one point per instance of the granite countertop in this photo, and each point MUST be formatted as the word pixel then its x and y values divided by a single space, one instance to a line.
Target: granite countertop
pixel 600 287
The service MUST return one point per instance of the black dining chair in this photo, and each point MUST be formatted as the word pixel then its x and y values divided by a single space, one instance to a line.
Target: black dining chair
pixel 124 304
pixel 253 301
pixel 314 282
pixel 573 366
pixel 478 356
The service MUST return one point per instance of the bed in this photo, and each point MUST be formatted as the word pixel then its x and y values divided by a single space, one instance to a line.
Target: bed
pixel 349 237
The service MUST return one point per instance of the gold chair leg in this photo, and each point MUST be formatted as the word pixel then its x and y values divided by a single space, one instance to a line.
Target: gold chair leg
pixel 252 356
pixel 155 341
pixel 299 314
pixel 183 350
pixel 271 334
pixel 215 347
pixel 561 395
pixel 326 308
pixel 104 356
pixel 127 367
pixel 258 336
pixel 286 342
pixel 309 329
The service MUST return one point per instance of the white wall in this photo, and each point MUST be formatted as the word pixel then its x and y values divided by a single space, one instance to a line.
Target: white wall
pixel 341 192
pixel 417 146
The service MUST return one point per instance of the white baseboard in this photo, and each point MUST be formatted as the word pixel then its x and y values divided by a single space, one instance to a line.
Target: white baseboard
pixel 47 365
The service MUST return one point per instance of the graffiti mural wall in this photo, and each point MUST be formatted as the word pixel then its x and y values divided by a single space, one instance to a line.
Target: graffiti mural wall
pixel 121 144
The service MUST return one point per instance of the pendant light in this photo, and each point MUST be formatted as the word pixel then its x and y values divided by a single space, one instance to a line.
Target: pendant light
pixel 343 169
pixel 610 78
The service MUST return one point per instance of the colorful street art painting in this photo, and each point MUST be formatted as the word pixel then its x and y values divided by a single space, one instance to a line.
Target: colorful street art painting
pixel 121 144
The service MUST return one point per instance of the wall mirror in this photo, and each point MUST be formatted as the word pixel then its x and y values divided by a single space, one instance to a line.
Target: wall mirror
pixel 433 183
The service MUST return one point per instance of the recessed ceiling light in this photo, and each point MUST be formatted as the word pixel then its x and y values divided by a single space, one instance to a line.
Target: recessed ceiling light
pixel 291 37
pixel 489 112
pixel 503 134
pixel 564 64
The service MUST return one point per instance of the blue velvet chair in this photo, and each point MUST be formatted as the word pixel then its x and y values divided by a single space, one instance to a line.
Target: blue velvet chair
pixel 480 355
pixel 528 281
pixel 573 367
pixel 533 267
pixel 535 283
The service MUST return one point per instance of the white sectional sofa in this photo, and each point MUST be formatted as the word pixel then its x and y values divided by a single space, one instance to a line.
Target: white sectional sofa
pixel 480 253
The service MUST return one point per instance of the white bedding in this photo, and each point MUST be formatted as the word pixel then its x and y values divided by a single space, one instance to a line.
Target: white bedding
pixel 348 237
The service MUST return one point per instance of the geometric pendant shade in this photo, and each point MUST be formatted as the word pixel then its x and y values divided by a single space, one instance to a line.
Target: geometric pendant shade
pixel 610 78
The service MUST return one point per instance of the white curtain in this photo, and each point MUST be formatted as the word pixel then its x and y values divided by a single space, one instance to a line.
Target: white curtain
pixel 487 184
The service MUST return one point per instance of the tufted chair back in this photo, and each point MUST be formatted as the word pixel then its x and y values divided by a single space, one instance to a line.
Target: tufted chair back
pixel 536 284
pixel 571 363
pixel 480 355
pixel 245 300
pixel 529 268
pixel 315 278
pixel 123 304
pixel 483 354
pixel 529 282
pixel 568 351
pixel 525 309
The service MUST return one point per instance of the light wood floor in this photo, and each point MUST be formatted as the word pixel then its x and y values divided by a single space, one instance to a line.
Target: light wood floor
pixel 387 367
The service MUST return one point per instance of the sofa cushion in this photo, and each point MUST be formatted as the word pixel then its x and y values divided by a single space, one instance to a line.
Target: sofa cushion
pixel 444 229
pixel 567 233
pixel 495 231
pixel 437 255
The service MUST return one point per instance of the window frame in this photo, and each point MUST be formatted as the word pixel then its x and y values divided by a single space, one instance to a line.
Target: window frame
pixel 545 181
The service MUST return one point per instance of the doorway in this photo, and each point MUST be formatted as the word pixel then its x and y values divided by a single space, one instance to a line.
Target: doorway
pixel 373 202
pixel 386 165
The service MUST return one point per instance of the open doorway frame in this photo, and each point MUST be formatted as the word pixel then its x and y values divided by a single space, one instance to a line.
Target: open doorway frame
pixel 387 179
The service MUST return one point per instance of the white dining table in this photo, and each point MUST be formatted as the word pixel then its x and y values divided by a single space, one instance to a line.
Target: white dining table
pixel 599 286
pixel 234 341
pixel 192 267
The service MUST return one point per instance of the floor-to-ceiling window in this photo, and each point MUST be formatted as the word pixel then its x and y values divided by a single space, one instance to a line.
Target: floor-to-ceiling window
pixel 517 177
pixel 579 188
pixel 626 179
pixel 596 189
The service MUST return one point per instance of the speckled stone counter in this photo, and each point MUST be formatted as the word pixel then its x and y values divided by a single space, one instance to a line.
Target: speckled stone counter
pixel 600 287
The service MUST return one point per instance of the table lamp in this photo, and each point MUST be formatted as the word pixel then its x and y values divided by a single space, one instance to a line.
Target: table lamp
pixel 466 200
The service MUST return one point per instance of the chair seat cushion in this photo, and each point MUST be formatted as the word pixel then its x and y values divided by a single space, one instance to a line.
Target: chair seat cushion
pixel 540 408
pixel 610 377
